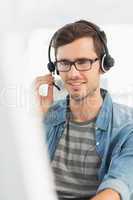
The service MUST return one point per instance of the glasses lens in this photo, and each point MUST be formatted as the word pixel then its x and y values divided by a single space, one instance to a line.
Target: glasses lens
pixel 83 64
pixel 63 66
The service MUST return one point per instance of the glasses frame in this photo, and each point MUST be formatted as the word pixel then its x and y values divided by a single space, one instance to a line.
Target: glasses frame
pixel 74 63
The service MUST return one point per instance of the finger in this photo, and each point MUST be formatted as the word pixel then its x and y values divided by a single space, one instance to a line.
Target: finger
pixel 45 77
pixel 50 91
pixel 44 91
pixel 41 82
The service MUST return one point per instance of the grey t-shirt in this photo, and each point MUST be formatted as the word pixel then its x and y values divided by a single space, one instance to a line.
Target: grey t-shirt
pixel 76 162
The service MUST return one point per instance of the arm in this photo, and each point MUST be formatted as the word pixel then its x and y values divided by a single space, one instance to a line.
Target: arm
pixel 119 177
pixel 107 194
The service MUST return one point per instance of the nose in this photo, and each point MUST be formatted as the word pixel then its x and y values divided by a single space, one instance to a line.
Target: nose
pixel 73 73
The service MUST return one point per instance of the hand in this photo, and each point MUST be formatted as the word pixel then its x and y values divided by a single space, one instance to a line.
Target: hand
pixel 107 194
pixel 44 102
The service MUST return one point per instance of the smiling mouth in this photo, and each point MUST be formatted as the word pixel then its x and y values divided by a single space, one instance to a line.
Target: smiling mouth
pixel 76 84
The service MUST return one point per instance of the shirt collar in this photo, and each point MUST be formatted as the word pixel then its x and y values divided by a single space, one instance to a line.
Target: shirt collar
pixel 105 112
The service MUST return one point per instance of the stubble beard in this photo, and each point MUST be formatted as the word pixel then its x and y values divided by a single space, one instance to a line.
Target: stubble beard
pixel 80 98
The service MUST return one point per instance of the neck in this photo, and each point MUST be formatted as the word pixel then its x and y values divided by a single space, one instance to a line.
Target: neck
pixel 86 109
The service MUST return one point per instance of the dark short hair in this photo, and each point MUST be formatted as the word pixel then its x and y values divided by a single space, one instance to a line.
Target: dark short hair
pixel 79 29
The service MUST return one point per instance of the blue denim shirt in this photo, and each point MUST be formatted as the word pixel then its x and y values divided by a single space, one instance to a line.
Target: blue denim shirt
pixel 114 142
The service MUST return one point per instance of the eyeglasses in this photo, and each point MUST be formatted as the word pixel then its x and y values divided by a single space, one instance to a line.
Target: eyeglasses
pixel 82 64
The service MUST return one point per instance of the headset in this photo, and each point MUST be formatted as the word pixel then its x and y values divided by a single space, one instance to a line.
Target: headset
pixel 106 61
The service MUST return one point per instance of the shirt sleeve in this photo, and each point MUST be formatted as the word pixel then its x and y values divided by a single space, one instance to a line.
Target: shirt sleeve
pixel 120 173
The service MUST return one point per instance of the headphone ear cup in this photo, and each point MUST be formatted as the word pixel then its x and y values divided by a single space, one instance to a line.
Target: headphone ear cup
pixel 107 62
pixel 51 67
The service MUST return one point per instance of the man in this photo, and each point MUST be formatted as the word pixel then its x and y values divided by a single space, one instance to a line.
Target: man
pixel 90 138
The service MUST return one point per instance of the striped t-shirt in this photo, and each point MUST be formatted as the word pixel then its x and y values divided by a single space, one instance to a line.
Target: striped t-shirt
pixel 75 164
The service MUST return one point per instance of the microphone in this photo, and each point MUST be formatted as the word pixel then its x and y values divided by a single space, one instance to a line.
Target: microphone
pixel 57 87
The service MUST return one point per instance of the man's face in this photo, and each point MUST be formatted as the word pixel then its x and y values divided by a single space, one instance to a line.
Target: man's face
pixel 80 84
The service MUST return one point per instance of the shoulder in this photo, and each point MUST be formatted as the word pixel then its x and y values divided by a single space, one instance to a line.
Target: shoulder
pixel 122 114
pixel 56 113
pixel 57 106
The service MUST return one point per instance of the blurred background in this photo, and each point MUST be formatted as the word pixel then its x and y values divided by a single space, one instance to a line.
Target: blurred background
pixel 26 27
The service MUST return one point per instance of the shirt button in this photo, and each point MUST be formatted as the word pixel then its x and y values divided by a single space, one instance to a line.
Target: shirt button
pixel 97 143
pixel 96 127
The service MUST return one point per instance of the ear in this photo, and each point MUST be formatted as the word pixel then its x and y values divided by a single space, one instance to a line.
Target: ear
pixel 100 68
pixel 101 71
